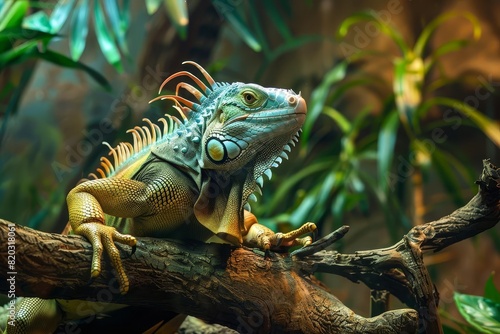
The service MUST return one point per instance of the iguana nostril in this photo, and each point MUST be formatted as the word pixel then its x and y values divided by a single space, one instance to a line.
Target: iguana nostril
pixel 292 100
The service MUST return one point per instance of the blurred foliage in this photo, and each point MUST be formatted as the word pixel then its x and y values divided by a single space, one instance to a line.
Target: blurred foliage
pixel 22 38
pixel 400 139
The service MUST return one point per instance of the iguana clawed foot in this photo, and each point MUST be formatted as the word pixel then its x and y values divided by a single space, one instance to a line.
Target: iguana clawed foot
pixel 102 237
pixel 264 238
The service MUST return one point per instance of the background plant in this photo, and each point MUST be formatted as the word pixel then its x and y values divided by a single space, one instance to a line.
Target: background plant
pixel 402 131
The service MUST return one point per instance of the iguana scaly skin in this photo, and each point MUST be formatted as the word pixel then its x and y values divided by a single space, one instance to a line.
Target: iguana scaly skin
pixel 192 178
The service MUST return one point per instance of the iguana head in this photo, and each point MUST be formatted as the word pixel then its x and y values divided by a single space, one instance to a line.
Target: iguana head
pixel 241 131
pixel 251 125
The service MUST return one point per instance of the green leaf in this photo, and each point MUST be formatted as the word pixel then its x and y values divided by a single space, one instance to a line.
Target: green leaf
pixel 277 20
pixel 17 54
pixel 105 39
pixel 385 28
pixel 319 96
pixel 19 33
pixel 420 44
pixel 152 6
pixel 118 24
pixel 287 185
pixel 480 312
pixel 30 50
pixel 386 144
pixel 62 60
pixel 13 14
pixel 488 126
pixel 341 121
pixel 60 14
pixel 230 13
pixel 178 14
pixel 490 290
pixel 38 21
pixel 79 29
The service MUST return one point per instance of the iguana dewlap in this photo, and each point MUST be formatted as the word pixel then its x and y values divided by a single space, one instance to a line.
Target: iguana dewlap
pixel 192 177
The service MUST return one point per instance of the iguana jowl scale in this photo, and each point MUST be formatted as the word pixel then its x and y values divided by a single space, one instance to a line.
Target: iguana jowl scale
pixel 194 177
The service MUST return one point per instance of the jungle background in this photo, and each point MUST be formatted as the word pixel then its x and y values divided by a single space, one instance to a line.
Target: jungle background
pixel 402 99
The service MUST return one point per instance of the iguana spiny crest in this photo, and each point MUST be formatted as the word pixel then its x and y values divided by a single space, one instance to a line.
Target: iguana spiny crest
pixel 192 177
pixel 229 127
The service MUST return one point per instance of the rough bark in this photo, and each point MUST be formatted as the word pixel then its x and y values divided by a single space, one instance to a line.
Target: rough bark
pixel 231 286
pixel 245 291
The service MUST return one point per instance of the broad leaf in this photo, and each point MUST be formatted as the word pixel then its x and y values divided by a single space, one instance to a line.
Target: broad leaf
pixel 480 312
pixel 38 21
pixel 105 39
pixel 118 24
pixel 60 14
pixel 79 29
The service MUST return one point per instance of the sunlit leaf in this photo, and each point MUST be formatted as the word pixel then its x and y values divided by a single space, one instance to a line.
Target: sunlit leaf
pixel 480 312
pixel 13 14
pixel 105 39
pixel 490 290
pixel 117 24
pixel 79 29
pixel 178 14
pixel 152 6
pixel 386 145
pixel 38 21
pixel 60 14
pixel 426 33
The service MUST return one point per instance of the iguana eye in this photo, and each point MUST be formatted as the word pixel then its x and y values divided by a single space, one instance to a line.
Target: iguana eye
pixel 249 97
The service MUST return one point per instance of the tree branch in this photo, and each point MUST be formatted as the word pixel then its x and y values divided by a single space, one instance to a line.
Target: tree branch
pixel 231 286
pixel 246 291
pixel 399 269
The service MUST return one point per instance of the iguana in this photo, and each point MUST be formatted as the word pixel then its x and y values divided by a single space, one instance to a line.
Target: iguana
pixel 189 177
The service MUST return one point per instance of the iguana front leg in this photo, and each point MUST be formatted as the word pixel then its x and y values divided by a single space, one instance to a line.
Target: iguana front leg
pixel 264 238
pixel 87 204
